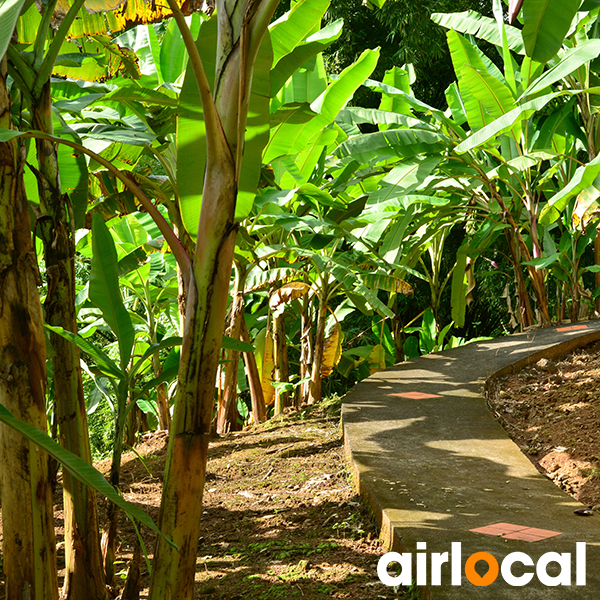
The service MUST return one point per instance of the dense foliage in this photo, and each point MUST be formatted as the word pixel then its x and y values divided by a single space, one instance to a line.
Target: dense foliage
pixel 225 233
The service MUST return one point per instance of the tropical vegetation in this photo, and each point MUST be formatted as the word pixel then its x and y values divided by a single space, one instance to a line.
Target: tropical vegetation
pixel 200 229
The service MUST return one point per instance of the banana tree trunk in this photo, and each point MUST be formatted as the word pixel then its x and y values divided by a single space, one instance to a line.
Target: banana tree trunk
pixel 315 378
pixel 227 409
pixel 241 28
pixel 84 575
pixel 526 314
pixel 162 401
pixel 597 262
pixel 29 550
pixel 282 370
pixel 306 349
pixel 259 409
pixel 111 521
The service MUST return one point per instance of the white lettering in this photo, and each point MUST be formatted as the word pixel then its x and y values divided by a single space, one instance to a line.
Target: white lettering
pixel 405 576
pixel 437 560
pixel 580 563
pixel 508 562
pixel 456 567
pixel 564 560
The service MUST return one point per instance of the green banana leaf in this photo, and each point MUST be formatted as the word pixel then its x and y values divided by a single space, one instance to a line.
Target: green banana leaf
pixel 103 362
pixel 485 98
pixel 570 61
pixel 545 25
pixel 506 122
pixel 304 51
pixel 79 468
pixel 173 55
pixel 9 13
pixel 191 133
pixel 485 28
pixel 289 138
pixel 393 142
pixel 583 178
pixel 295 25
pixel 458 295
pixel 104 290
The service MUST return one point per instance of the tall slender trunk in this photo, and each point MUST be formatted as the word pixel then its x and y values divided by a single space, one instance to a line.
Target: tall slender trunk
pixel 282 370
pixel 315 378
pixel 227 412
pixel 241 27
pixel 111 521
pixel 306 349
pixel 259 409
pixel 29 550
pixel 597 262
pixel 84 574
pixel 525 312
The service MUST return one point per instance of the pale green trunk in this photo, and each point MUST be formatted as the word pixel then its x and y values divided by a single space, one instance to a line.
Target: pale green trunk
pixel 314 395
pixel 241 27
pixel 259 409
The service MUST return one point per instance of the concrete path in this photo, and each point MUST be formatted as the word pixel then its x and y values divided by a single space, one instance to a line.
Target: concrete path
pixel 434 468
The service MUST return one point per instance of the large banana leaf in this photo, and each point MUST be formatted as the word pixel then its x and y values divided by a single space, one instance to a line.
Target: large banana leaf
pixel 399 79
pixel 9 13
pixel 173 55
pixel 584 177
pixel 355 116
pixel 304 51
pixel 545 25
pixel 485 28
pixel 78 468
pixel 393 142
pixel 405 178
pixel 104 290
pixel 257 129
pixel 288 31
pixel 459 288
pixel 102 360
pixel 485 98
pixel 73 175
pixel 191 133
pixel 570 61
pixel 505 122
pixel 290 139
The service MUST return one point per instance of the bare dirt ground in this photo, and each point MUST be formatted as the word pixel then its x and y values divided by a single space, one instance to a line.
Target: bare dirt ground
pixel 281 519
pixel 552 411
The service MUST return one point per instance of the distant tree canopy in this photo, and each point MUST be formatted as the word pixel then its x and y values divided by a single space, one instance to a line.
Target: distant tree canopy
pixel 406 34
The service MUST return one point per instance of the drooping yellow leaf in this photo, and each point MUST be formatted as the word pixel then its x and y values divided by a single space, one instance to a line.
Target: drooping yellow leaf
pixel 586 207
pixel 287 293
pixel 98 17
pixel 109 59
pixel 377 359
pixel 265 364
pixel 388 283
pixel 332 350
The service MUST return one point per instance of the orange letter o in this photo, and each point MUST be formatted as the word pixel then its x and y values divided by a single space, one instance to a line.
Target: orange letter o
pixel 473 576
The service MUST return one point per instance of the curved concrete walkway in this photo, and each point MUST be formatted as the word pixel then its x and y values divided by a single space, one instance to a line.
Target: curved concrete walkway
pixel 434 464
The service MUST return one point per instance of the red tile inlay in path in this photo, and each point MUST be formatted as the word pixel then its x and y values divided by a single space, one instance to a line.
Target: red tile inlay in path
pixel 415 395
pixel 573 328
pixel 510 531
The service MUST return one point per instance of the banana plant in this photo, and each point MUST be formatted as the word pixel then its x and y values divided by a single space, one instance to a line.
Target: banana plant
pixel 105 293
